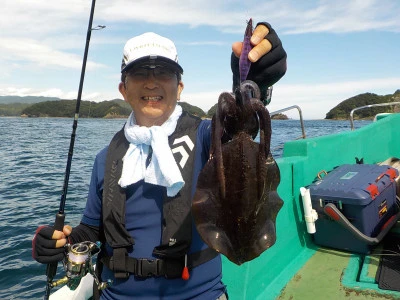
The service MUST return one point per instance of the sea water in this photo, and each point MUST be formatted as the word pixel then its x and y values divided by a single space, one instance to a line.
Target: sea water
pixel 33 159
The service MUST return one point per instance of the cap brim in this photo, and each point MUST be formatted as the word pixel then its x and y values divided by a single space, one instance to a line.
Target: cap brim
pixel 159 60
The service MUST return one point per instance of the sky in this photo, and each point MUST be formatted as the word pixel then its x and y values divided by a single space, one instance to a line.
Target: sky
pixel 336 49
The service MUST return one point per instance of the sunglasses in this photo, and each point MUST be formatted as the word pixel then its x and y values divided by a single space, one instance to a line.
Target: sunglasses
pixel 159 72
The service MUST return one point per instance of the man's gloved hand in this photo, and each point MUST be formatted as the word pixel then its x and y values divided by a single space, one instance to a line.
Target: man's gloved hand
pixel 267 56
pixel 48 244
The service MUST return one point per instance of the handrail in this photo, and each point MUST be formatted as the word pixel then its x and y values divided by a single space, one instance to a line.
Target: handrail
pixel 368 106
pixel 300 114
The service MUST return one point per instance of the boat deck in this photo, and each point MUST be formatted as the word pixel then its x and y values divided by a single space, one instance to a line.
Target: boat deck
pixel 334 274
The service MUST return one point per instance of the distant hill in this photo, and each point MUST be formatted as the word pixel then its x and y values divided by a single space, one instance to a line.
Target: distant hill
pixel 343 109
pixel 116 108
pixel 280 117
pixel 12 110
pixel 192 109
pixel 26 99
pixel 88 109
pixel 14 105
pixel 55 107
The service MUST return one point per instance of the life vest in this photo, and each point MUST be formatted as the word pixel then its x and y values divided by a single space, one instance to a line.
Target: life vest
pixel 172 254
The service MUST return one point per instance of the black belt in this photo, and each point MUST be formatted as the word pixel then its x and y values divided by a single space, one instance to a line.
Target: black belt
pixel 168 267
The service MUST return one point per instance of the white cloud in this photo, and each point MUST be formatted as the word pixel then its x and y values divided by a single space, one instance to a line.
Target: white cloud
pixel 32 51
pixel 193 13
pixel 14 91
pixel 35 32
pixel 40 17
pixel 32 30
pixel 293 16
pixel 341 16
pixel 52 92
pixel 203 100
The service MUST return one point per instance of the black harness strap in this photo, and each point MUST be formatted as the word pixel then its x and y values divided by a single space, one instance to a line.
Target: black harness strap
pixel 169 267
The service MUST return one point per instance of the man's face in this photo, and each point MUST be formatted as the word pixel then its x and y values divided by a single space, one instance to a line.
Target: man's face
pixel 152 93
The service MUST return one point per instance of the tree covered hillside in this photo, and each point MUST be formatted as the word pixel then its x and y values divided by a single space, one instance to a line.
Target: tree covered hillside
pixel 343 109
pixel 47 107
pixel 88 109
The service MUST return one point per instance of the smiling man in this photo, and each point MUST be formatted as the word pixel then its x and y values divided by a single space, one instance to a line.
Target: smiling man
pixel 151 78
pixel 140 194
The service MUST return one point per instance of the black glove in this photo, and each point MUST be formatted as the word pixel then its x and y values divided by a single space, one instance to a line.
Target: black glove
pixel 268 69
pixel 44 248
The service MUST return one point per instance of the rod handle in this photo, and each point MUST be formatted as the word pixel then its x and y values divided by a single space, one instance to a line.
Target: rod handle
pixel 51 269
pixel 59 223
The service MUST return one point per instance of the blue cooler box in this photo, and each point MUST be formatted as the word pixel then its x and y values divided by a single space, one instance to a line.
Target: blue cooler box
pixel 364 194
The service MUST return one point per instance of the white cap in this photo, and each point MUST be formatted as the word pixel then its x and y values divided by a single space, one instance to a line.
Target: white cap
pixel 150 48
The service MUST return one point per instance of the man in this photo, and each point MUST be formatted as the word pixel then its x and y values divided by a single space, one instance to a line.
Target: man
pixel 139 201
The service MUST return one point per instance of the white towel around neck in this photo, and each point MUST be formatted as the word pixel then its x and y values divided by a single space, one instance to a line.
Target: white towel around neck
pixel 162 169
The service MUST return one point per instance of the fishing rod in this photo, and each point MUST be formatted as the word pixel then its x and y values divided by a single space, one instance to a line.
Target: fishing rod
pixel 51 269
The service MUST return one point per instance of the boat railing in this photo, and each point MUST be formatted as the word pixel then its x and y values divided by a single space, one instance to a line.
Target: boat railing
pixel 368 106
pixel 303 132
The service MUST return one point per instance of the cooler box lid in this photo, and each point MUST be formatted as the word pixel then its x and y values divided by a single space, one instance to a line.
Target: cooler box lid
pixel 356 184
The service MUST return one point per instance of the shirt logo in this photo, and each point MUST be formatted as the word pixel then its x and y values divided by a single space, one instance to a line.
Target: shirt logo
pixel 185 140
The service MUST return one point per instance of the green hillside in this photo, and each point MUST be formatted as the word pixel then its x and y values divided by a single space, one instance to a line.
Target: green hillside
pixel 343 109
pixel 88 109
pixel 12 110
pixel 54 107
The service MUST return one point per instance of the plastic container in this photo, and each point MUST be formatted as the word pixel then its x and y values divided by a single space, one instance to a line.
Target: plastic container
pixel 366 196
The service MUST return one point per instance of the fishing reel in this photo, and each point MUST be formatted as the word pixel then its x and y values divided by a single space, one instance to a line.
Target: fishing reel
pixel 78 263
